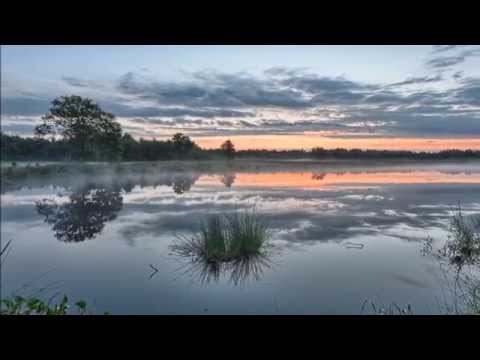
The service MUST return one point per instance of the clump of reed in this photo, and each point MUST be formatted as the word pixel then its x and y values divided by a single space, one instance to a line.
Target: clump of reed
pixel 464 240
pixel 225 238
pixel 459 259
pixel 34 306
pixel 234 245
pixel 31 305
pixel 462 247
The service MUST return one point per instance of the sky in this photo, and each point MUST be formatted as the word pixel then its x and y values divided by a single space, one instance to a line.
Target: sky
pixel 265 97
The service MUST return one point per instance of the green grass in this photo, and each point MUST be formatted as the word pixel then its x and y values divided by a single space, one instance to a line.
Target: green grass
pixel 234 244
pixel 459 260
pixel 462 246
pixel 213 237
pixel 246 233
pixel 224 238
pixel 461 254
pixel 30 305
pixel 34 306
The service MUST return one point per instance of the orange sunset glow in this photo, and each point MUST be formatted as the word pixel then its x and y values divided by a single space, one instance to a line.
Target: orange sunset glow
pixel 309 180
pixel 308 141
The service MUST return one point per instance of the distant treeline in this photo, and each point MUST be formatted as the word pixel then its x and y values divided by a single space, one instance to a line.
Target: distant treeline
pixel 391 154
pixel 340 153
pixel 15 148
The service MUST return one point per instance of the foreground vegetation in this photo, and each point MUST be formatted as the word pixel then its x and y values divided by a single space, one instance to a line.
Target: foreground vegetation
pixel 459 260
pixel 34 306
pixel 462 247
pixel 20 305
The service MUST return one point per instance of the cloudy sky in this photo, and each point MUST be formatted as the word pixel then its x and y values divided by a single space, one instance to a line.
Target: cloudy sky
pixel 392 97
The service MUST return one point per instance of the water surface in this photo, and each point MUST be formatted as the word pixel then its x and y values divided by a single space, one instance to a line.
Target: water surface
pixel 339 237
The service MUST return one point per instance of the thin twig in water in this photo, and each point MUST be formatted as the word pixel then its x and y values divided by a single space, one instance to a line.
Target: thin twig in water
pixel 47 288
pixel 5 247
pixel 55 295
pixel 155 270
pixel 28 284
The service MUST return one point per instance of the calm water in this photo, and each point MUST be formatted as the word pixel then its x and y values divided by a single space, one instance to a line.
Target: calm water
pixel 339 237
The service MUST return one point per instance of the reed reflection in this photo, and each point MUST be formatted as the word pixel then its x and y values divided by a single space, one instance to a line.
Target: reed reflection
pixel 237 272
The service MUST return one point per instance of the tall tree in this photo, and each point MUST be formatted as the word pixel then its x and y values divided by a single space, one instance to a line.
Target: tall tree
pixel 84 125
pixel 228 149
pixel 109 141
pixel 182 143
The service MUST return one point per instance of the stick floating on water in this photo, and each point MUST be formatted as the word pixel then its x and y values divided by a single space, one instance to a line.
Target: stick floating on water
pixel 352 245
pixel 155 270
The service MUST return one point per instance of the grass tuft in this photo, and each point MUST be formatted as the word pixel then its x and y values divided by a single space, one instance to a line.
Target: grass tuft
pixel 246 233
pixel 461 253
pixel 462 247
pixel 234 243
pixel 224 238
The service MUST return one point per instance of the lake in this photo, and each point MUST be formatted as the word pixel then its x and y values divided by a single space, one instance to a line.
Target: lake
pixel 340 235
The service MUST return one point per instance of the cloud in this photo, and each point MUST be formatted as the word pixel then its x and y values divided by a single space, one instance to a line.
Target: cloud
pixel 458 75
pixel 469 92
pixel 443 48
pixel 76 82
pixel 314 84
pixel 211 89
pixel 448 61
pixel 24 106
pixel 280 71
pixel 171 112
pixel 282 100
pixel 445 61
pixel 18 128
pixel 419 80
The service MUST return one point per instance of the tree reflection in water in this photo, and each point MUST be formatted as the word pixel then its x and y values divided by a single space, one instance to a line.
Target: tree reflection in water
pixel 319 176
pixel 90 206
pixel 183 183
pixel 84 215
pixel 228 179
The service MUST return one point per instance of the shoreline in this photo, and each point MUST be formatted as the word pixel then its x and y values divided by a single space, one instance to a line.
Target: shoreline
pixel 237 164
